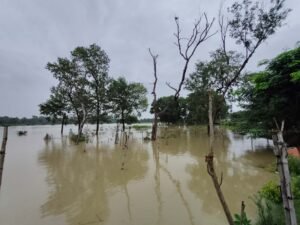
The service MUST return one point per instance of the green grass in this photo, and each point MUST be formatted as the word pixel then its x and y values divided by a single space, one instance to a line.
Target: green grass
pixel 141 126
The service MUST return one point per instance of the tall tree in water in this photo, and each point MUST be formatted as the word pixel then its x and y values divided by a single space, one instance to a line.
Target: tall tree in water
pixel 72 84
pixel 127 99
pixel 95 63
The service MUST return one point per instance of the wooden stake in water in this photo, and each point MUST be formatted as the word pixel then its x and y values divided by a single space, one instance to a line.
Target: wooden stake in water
pixel 2 152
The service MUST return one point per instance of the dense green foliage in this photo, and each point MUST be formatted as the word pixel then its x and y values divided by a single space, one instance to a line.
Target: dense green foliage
pixel 85 92
pixel 272 93
pixel 127 100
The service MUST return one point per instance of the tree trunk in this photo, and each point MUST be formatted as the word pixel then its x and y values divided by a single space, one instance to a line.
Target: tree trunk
pixel 98 118
pixel 117 134
pixel 123 121
pixel 2 152
pixel 154 128
pixel 280 151
pixel 62 125
pixel 210 118
pixel 210 162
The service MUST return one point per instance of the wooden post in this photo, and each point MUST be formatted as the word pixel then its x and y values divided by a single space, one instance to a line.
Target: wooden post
pixel 2 152
pixel 280 151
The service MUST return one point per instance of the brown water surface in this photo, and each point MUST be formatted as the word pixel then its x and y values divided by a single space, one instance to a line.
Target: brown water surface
pixel 60 183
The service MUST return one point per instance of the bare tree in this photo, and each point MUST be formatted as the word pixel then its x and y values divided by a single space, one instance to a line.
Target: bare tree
pixel 188 46
pixel 154 102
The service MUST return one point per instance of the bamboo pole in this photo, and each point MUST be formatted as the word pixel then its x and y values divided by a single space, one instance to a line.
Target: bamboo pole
pixel 280 151
pixel 2 152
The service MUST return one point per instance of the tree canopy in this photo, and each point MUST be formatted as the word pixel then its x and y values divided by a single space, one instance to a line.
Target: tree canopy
pixel 273 93
pixel 127 99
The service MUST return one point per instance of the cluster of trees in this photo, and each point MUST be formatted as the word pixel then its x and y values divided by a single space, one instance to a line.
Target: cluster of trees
pixel 271 93
pixel 190 110
pixel 85 92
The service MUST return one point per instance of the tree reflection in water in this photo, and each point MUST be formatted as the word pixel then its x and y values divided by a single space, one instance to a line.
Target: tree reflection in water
pixel 80 181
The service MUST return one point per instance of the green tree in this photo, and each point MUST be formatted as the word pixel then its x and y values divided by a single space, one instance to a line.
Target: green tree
pixel 72 84
pixel 197 108
pixel 273 93
pixel 95 63
pixel 127 99
pixel 172 111
pixel 55 108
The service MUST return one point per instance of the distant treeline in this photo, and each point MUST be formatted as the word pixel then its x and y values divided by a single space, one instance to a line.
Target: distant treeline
pixel 34 120
pixel 42 120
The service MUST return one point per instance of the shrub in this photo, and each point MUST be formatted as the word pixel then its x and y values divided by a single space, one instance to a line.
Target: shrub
pixel 241 219
pixel 75 138
pixel 294 165
pixel 271 192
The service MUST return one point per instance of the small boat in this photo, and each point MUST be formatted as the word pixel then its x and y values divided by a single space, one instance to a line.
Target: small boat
pixel 22 132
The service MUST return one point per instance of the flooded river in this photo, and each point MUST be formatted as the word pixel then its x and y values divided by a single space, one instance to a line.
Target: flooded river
pixel 166 182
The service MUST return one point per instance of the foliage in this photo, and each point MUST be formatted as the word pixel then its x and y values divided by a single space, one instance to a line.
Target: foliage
pixel 171 111
pixel 127 100
pixel 214 74
pixel 268 212
pixel 252 23
pixel 197 108
pixel 94 62
pixel 296 187
pixel 271 192
pixel 273 93
pixel 241 219
pixel 294 165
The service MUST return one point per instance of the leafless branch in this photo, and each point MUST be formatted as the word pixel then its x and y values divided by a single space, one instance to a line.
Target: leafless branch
pixel 200 33
pixel 170 86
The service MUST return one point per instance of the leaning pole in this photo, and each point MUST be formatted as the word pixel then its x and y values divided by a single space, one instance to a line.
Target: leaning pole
pixel 2 152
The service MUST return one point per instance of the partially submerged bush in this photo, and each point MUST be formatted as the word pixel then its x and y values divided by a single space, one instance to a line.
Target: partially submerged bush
pixel 75 138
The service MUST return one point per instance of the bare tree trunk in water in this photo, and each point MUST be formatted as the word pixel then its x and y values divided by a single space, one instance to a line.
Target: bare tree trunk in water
pixel 117 134
pixel 62 125
pixel 210 162
pixel 98 118
pixel 2 152
pixel 154 125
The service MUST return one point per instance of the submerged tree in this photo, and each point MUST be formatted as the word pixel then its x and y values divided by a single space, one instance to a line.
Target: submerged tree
pixel 127 99
pixel 173 111
pixel 74 86
pixel 95 63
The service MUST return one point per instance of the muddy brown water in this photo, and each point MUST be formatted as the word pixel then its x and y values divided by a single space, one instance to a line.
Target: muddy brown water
pixel 59 183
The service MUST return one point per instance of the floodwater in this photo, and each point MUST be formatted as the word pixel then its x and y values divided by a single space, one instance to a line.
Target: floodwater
pixel 166 182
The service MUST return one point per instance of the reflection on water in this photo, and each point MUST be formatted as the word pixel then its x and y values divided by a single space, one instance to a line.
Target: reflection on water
pixel 57 182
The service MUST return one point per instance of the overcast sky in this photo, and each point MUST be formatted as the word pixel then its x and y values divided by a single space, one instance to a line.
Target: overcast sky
pixel 34 32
